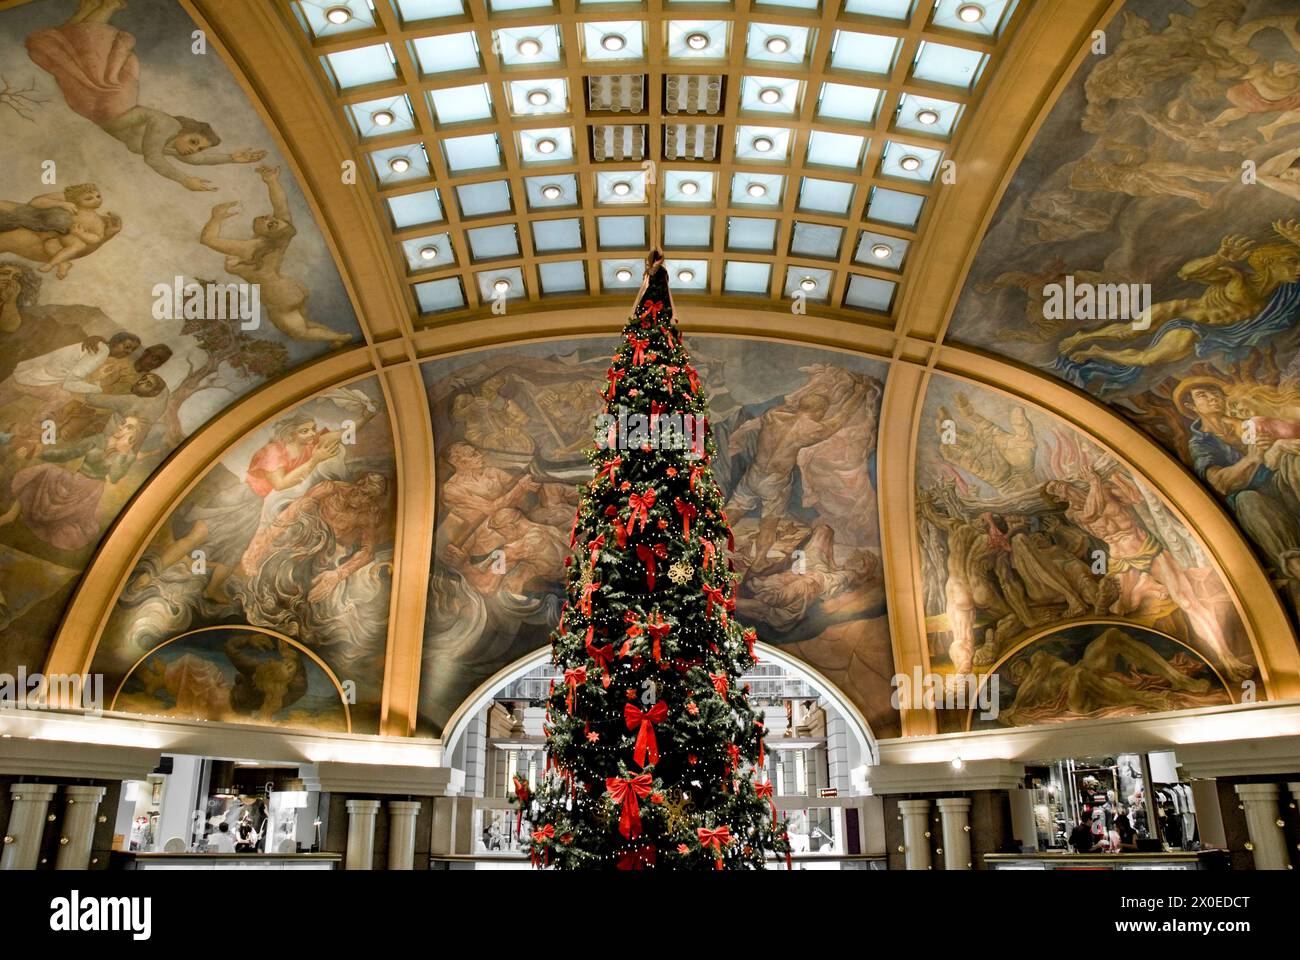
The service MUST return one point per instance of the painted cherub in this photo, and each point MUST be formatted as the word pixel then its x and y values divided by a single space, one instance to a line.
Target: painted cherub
pixel 57 228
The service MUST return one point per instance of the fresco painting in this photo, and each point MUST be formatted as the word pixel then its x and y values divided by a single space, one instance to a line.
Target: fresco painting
pixel 1023 522
pixel 1172 160
pixel 796 431
pixel 293 531
pixel 134 164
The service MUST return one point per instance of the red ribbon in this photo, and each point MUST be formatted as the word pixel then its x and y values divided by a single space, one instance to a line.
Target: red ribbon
pixel 733 758
pixel 638 858
pixel 688 512
pixel 765 790
pixel 694 378
pixel 647 747
pixel 614 377
pixel 640 504
pixel 609 469
pixel 695 472
pixel 573 533
pixel 521 794
pixel 603 655
pixel 587 592
pixel 658 629
pixel 625 793
pixel 717 839
pixel 647 556
pixel 594 546
pixel 543 837
pixel 669 373
pixel 709 550
pixel 638 350
pixel 750 636
pixel 719 681
pixel 571 679
pixel 653 309
pixel 715 595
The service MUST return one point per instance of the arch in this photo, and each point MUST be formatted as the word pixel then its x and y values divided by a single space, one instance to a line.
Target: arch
pixel 458 722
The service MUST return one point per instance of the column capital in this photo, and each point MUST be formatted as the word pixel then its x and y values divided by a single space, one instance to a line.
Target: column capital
pixel 914 806
pixel 36 792
pixel 408 808
pixel 84 794
pixel 955 804
pixel 1256 791
pixel 363 806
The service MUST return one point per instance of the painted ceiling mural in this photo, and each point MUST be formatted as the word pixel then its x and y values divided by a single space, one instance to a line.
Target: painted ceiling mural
pixel 135 167
pixel 1025 523
pixel 1171 160
pixel 796 429
pixel 292 532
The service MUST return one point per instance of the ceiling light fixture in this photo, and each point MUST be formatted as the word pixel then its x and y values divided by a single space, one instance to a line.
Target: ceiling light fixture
pixel 777 45
pixel 910 163
pixel 970 13
pixel 539 98
pixel 338 15
pixel 756 190
pixel 808 283
pixel 546 145
pixel 623 275
pixel 958 763
pixel 697 41
pixel 685 276
pixel 762 144
pixel 622 188
pixel 689 187
pixel 613 42
pixel 551 192
pixel 927 117
pixel 501 286
pixel 383 118
pixel 529 47
pixel 399 164
pixel 429 253
pixel 769 95
pixel 882 251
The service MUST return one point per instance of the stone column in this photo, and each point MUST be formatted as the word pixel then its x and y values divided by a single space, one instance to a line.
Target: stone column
pixel 78 828
pixel 955 812
pixel 361 834
pixel 22 841
pixel 916 836
pixel 1264 824
pixel 401 833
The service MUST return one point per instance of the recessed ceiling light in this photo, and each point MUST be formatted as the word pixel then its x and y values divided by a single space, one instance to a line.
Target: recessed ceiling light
pixel 697 41
pixel 539 98
pixel 551 192
pixel 622 188
pixel 927 117
pixel 769 95
pixel 528 47
pixel 613 41
pixel 429 253
pixel 808 283
pixel 546 145
pixel 338 15
pixel 756 190
pixel 910 163
pixel 762 144
pixel 685 276
pixel 970 13
pixel 399 164
pixel 501 286
pixel 777 45
pixel 689 187
pixel 882 251
pixel 623 275
pixel 383 118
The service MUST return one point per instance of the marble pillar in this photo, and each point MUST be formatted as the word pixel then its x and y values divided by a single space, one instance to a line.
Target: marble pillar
pixel 22 839
pixel 361 834
pixel 955 813
pixel 916 828
pixel 1264 824
pixel 77 832
pixel 401 833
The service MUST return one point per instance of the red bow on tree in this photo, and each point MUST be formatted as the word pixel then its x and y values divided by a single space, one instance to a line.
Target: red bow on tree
pixel 647 747
pixel 719 681
pixel 638 858
pixel 765 790
pixel 653 308
pixel 521 794
pixel 638 350
pixel 609 469
pixel 669 373
pixel 694 378
pixel 695 472
pixel 614 377
pixel 709 550
pixel 587 592
pixel 625 791
pixel 688 512
pixel 658 629
pixel 668 335
pixel 733 758
pixel 603 655
pixel 647 556
pixel 543 838
pixel 640 504
pixel 594 546
pixel 715 596
pixel 750 636
pixel 716 839
pixel 571 679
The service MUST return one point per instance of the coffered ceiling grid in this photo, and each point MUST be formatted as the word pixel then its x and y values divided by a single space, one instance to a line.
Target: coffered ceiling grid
pixel 378 22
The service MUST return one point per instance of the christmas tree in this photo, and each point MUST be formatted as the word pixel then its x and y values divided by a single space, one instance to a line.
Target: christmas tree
pixel 654 756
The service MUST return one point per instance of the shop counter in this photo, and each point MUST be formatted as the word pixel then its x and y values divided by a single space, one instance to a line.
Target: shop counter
pixel 224 861
pixel 1172 860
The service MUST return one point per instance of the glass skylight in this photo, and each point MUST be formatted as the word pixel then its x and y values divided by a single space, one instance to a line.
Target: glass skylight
pixel 993 16
pixel 553 236
pixel 697 39
pixel 770 95
pixel 687 275
pixel 950 66
pixel 483 199
pixel 311 14
pixel 532 98
pixel 927 115
pixel 377 118
pixel 506 6
pixel 757 189
pixel 618 232
pixel 626 186
pixel 764 144
pixel 777 43
pixel 488 280
pixel 825 196
pixel 567 276
pixel 551 190
pixel 447 53
pixel 461 104
pixel 751 233
pixel 910 163
pixel 528 46
pixel 798 280
pixel 816 240
pixel 613 40
pixel 413 10
pixel 426 253
pixel 493 243
pixel 399 164
pixel 868 293
pixel 888 9
pixel 415 209
pixel 438 296
pixel 741 277
pixel 547 145
pixel 893 206
pixel 863 52
pixel 610 270
pixel 839 101
pixel 835 149
pixel 686 231
pixel 478 152
pixel 688 186
pixel 356 68
pixel 881 250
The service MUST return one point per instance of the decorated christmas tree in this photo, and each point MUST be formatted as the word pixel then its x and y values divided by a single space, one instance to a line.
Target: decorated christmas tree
pixel 654 757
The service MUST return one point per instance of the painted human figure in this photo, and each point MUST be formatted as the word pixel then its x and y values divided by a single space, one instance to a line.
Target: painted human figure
pixel 56 228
